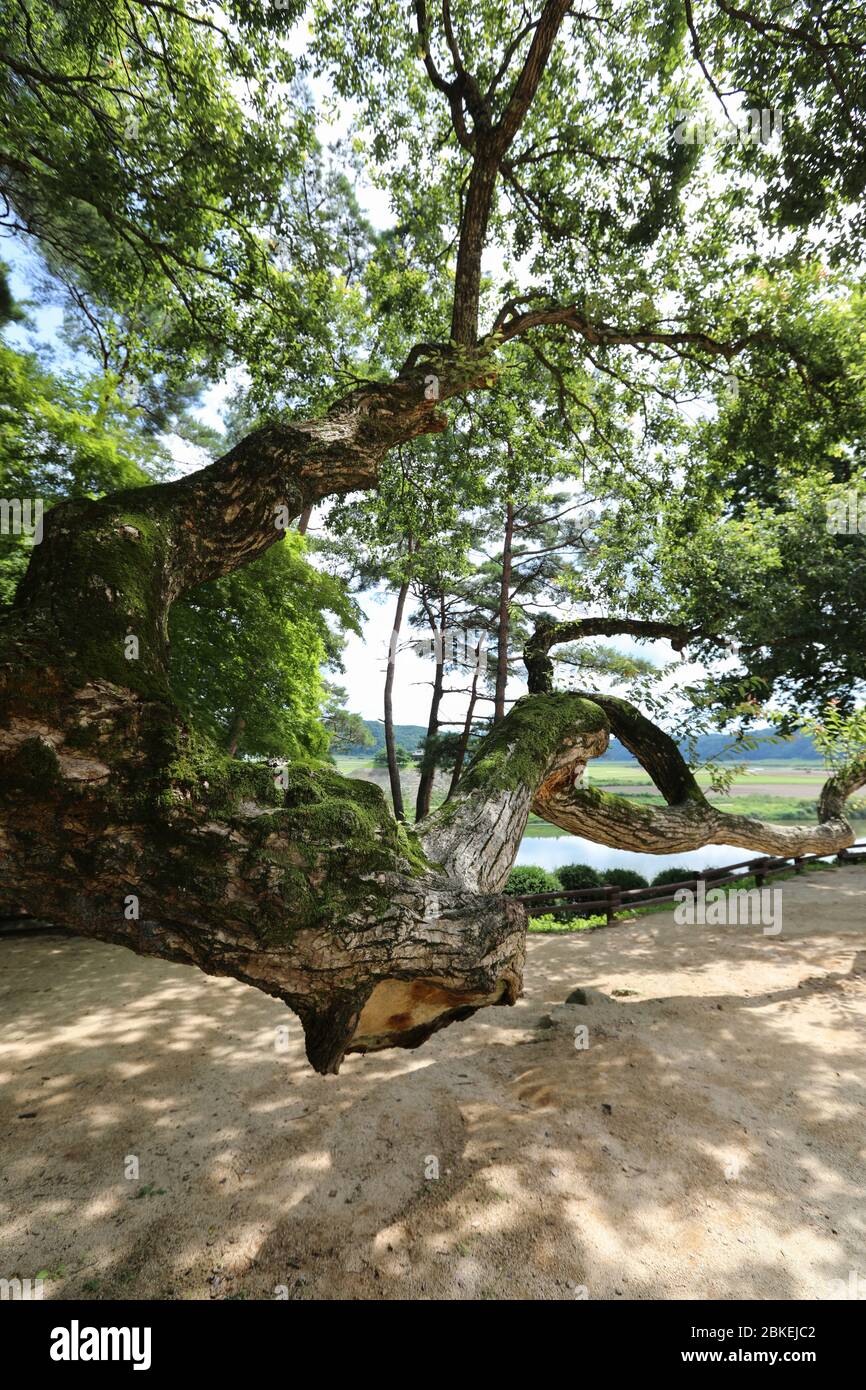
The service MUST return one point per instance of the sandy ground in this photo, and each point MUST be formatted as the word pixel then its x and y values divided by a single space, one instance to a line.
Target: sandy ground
pixel 708 1143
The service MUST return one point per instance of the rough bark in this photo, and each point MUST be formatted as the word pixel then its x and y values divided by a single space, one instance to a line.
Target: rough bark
pixel 428 766
pixel 689 820
pixel 238 726
pixel 504 616
pixel 390 742
pixel 119 822
pixel 477 833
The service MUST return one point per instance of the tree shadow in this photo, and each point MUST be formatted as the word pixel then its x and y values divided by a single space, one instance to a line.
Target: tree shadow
pixel 706 1143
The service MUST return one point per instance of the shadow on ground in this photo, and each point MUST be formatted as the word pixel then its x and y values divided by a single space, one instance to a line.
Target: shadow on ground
pixel 708 1142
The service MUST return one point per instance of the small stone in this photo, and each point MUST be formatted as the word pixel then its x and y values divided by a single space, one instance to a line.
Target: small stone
pixel 586 995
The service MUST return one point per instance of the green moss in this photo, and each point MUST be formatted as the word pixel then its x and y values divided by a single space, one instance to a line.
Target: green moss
pixel 201 772
pixel 313 855
pixel 333 840
pixel 514 751
pixel 31 765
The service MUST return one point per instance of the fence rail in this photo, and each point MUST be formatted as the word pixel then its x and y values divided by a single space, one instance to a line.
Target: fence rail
pixel 610 899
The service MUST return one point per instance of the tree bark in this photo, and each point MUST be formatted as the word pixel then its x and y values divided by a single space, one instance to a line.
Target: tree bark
pixel 504 616
pixel 119 822
pixel 428 767
pixel 238 726
pixel 689 821
pixel 466 732
pixel 390 743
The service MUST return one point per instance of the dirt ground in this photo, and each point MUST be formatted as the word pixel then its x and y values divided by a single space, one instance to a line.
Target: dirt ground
pixel 708 1142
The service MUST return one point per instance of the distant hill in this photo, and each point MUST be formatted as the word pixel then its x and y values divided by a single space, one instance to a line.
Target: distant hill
pixel 409 735
pixel 800 749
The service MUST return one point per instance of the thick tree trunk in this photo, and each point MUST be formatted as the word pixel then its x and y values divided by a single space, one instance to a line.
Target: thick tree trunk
pixel 390 742
pixel 504 615
pixel 119 822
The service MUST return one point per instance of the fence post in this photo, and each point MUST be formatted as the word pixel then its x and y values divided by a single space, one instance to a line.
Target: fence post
pixel 608 893
pixel 798 864
pixel 614 904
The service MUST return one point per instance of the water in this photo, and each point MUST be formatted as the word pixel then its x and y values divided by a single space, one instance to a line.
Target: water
pixel 551 852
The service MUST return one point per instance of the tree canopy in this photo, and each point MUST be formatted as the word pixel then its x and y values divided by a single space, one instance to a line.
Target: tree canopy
pixel 556 315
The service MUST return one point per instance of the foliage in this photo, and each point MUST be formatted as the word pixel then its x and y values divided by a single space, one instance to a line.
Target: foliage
pixel 63 435
pixel 839 736
pixel 674 874
pixel 402 755
pixel 344 729
pixel 574 876
pixel 169 164
pixel 528 878
pixel 624 878
pixel 247 651
pixel 549 924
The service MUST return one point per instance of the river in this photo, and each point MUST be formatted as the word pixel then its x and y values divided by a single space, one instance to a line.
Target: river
pixel 552 851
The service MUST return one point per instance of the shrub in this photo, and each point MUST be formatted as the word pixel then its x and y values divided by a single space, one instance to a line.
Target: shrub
pixel 551 923
pixel 402 756
pixel 624 878
pixel 526 878
pixel 573 876
pixel 673 875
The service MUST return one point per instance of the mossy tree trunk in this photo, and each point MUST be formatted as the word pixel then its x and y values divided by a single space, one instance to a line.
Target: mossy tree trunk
pixel 117 821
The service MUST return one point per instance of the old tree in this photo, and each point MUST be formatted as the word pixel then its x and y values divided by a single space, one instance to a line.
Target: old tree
pixel 165 160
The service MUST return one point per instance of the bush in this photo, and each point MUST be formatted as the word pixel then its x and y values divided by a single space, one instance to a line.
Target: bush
pixel 573 876
pixel 624 878
pixel 402 756
pixel 551 923
pixel 526 878
pixel 672 875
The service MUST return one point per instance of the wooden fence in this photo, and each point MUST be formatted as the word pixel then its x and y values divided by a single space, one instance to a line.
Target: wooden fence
pixel 610 900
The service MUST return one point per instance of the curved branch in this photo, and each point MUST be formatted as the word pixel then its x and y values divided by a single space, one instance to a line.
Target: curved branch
pixel 124 558
pixel 547 634
pixel 689 821
pixel 511 324
pixel 475 836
